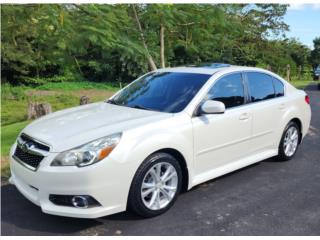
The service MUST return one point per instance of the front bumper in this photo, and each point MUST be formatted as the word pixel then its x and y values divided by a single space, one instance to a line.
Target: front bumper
pixel 100 181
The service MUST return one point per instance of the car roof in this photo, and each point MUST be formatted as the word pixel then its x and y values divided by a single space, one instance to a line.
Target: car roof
pixel 211 70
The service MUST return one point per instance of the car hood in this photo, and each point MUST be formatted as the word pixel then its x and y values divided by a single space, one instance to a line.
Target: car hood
pixel 70 128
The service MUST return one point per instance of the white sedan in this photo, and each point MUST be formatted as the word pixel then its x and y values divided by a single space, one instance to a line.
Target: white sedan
pixel 164 133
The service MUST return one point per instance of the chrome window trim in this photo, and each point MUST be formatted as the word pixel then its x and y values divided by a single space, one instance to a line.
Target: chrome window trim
pixel 246 86
pixel 270 75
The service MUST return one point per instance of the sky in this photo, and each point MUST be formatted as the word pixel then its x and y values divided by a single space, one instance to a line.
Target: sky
pixel 304 22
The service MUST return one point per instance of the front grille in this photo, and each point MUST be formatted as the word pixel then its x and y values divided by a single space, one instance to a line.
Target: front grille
pixel 37 144
pixel 28 158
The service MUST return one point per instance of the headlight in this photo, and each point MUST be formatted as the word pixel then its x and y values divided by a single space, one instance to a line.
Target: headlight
pixel 89 153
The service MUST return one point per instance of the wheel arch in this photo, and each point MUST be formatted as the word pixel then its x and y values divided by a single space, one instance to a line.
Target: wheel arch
pixel 297 121
pixel 183 164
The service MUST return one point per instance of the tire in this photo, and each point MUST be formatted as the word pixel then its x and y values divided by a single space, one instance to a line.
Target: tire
pixel 285 155
pixel 140 201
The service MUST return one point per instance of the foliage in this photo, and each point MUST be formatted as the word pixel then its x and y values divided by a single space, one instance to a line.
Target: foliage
pixel 69 42
pixel 315 53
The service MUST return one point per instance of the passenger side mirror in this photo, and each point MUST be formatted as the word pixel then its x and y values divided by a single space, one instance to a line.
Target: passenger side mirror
pixel 212 107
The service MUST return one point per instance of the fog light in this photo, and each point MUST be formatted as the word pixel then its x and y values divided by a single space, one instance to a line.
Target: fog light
pixel 80 202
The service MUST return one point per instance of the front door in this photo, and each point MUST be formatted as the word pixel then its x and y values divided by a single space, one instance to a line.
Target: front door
pixel 220 139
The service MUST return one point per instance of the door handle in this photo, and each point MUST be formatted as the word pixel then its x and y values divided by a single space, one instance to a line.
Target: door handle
pixel 244 116
pixel 282 106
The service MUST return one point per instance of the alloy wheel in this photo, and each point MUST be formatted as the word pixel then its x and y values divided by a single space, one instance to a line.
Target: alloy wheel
pixel 291 140
pixel 159 186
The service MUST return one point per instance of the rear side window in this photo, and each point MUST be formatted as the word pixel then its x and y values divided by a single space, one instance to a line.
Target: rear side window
pixel 260 86
pixel 229 90
pixel 278 88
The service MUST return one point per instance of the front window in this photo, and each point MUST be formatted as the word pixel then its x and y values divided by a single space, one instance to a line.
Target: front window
pixel 162 91
pixel 228 90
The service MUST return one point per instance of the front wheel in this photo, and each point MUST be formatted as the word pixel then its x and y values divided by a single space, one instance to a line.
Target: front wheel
pixel 289 142
pixel 155 186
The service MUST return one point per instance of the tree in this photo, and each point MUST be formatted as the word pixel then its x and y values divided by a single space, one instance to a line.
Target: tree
pixel 144 43
pixel 117 43
pixel 315 53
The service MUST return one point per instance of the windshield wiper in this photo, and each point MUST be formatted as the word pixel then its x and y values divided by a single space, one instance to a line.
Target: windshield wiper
pixel 111 101
pixel 141 107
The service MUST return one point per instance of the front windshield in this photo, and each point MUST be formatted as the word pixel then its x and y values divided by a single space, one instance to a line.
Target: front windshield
pixel 162 91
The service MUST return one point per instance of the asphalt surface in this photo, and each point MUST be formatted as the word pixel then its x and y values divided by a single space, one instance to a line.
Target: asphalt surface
pixel 267 198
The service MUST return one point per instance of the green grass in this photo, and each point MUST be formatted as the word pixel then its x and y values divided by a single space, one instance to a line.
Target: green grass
pixel 13 111
pixel 9 134
pixel 68 86
pixel 15 99
pixel 301 84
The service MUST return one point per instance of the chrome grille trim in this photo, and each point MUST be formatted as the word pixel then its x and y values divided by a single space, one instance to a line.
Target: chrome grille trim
pixel 32 149
pixel 26 137
pixel 24 164
pixel 30 152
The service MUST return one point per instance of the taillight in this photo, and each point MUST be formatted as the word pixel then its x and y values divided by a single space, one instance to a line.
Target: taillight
pixel 307 99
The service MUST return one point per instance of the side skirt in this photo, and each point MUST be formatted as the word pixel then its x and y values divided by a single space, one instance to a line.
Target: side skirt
pixel 241 163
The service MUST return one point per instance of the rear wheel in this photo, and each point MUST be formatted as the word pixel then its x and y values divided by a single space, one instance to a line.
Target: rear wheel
pixel 156 185
pixel 289 142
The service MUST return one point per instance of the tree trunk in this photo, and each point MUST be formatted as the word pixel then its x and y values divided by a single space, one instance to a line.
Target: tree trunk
pixel 36 110
pixel 299 72
pixel 84 100
pixel 162 59
pixel 269 67
pixel 149 57
pixel 288 73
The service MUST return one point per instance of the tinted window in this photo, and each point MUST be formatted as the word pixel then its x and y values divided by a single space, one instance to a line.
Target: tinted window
pixel 260 86
pixel 278 88
pixel 162 91
pixel 228 90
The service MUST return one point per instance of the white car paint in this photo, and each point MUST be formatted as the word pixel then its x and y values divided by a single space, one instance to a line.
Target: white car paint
pixel 212 145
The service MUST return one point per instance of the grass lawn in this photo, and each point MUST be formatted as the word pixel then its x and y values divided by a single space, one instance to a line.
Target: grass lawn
pixel 9 134
pixel 301 84
pixel 14 103
pixel 15 100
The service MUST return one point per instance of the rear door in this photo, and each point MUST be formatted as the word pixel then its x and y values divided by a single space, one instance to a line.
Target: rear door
pixel 267 107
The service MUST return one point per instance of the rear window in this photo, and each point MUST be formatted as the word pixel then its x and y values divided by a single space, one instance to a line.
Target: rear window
pixel 260 86
pixel 278 88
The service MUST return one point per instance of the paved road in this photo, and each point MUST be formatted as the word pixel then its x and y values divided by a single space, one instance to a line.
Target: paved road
pixel 268 198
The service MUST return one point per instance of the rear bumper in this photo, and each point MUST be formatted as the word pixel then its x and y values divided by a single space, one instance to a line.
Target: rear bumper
pixel 38 185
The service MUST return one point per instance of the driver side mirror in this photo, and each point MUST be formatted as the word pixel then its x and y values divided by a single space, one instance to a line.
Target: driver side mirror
pixel 212 107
